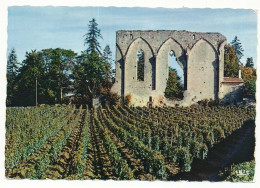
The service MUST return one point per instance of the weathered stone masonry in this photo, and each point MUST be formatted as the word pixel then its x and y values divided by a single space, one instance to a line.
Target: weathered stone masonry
pixel 200 55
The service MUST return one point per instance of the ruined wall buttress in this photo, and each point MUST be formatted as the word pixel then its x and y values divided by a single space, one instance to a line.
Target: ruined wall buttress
pixel 221 68
pixel 203 71
pixel 162 65
pixel 139 90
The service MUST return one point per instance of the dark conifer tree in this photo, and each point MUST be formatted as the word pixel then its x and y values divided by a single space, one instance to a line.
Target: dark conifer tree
pixel 12 71
pixel 238 47
pixel 249 62
pixel 92 37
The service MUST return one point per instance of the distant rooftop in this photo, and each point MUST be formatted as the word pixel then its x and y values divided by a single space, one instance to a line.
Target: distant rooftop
pixel 232 80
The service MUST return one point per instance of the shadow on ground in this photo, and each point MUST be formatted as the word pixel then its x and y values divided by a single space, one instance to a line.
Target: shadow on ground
pixel 238 147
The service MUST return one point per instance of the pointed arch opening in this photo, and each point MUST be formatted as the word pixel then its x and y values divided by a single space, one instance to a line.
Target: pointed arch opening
pixel 175 81
pixel 140 65
pixel 203 60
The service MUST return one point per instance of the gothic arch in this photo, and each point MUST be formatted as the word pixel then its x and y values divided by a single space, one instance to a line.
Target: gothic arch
pixel 203 59
pixel 162 66
pixel 178 50
pixel 130 65
pixel 136 41
pixel 201 40
pixel 200 57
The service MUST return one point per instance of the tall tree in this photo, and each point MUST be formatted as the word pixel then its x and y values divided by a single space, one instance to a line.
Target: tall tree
pixel 12 71
pixel 91 74
pixel 249 62
pixel 92 71
pixel 231 62
pixel 44 75
pixel 58 67
pixel 92 37
pixel 107 54
pixel 174 88
pixel 238 47
pixel 30 79
pixel 249 77
pixel 12 64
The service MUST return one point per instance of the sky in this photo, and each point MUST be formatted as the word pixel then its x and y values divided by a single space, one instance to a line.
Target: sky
pixel 38 28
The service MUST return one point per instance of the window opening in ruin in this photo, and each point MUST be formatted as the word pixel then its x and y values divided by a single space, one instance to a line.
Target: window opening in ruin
pixel 193 37
pixel 175 82
pixel 172 53
pixel 140 65
pixel 131 36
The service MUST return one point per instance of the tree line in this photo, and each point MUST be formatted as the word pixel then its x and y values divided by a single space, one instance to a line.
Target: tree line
pixel 46 75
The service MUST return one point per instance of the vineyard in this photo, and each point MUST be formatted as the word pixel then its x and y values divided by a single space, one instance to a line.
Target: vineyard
pixel 116 142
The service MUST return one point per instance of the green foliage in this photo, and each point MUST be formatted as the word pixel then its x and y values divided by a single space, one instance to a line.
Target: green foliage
pixel 12 71
pixel 91 75
pixel 39 148
pixel 80 155
pixel 55 72
pixel 53 142
pixel 249 77
pixel 92 71
pixel 91 38
pixel 140 65
pixel 32 69
pixel 231 62
pixel 31 130
pixel 165 146
pixel 218 133
pixel 58 66
pixel 251 87
pixel 121 167
pixel 156 143
pixel 249 62
pixel 237 47
pixel 174 88
pixel 195 148
pixel 12 64
pixel 110 98
pixel 107 54
pixel 183 158
pixel 51 68
pixel 152 160
pixel 204 151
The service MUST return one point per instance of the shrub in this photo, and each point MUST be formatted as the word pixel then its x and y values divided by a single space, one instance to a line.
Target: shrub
pixel 156 142
pixel 183 158
pixel 127 100
pixel 218 133
pixel 110 98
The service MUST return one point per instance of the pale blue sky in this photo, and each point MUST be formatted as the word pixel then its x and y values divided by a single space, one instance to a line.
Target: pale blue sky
pixel 51 27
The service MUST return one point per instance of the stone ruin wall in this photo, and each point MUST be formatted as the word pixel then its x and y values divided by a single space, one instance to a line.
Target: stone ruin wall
pixel 200 55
